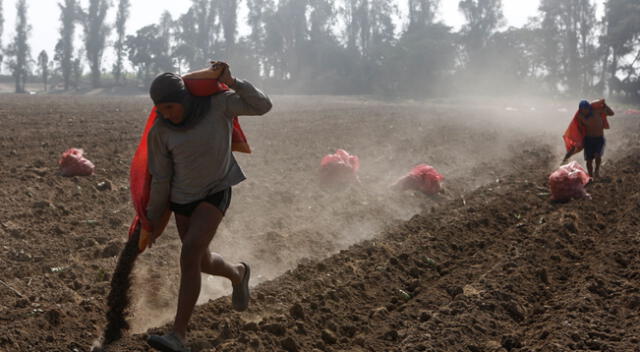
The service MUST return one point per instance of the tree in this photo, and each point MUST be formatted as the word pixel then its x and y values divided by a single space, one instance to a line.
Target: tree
pixel 321 19
pixel 205 15
pixel 185 51
pixel 351 12
pixel 165 33
pixel 621 37
pixel 77 71
pixel 197 31
pixel 292 14
pixel 369 38
pixel 229 19
pixel 285 43
pixel 1 32
pixel 95 36
pixel 19 50
pixel 568 28
pixel 510 58
pixel 259 13
pixel 146 53
pixel 64 47
pixel 551 43
pixel 43 64
pixel 121 25
pixel 382 26
pixel 381 44
pixel 483 17
pixel 422 62
pixel 586 23
pixel 369 22
pixel 421 13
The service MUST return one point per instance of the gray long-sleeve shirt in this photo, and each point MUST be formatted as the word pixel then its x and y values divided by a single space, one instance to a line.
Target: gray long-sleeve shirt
pixel 188 165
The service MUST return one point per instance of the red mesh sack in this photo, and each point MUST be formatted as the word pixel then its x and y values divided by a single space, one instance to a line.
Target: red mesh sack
pixel 423 178
pixel 632 112
pixel 339 168
pixel 568 182
pixel 202 87
pixel 72 163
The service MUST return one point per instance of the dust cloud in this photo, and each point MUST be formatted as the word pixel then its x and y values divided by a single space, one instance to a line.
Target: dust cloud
pixel 281 216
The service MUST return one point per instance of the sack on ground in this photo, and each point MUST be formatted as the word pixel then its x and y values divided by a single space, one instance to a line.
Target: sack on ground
pixel 632 112
pixel 339 168
pixel 568 182
pixel 423 178
pixel 72 163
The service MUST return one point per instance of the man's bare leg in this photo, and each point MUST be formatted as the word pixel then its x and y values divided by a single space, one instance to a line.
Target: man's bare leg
pixel 212 263
pixel 203 224
pixel 590 167
pixel 598 162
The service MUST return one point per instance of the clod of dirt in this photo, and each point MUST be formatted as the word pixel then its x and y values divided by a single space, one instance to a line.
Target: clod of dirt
pixel 633 302
pixel 348 330
pixel 275 329
pixel 104 186
pixel 425 316
pixel 250 326
pixel 21 303
pixel 542 275
pixel 474 348
pixel 53 317
pixel 110 250
pixel 328 337
pixel 13 229
pixel 224 334
pixel 391 335
pixel 379 313
pixel 297 312
pixel 510 342
pixel 43 205
pixel 515 312
pixel 40 171
pixel 289 344
pixel 454 291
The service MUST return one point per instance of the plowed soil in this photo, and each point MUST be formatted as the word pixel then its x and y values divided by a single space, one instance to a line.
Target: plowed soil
pixel 488 265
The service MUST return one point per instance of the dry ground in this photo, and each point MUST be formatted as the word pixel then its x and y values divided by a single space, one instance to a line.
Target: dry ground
pixel 489 265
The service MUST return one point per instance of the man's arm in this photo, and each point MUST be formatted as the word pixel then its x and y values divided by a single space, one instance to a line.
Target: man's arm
pixel 608 110
pixel 246 100
pixel 161 169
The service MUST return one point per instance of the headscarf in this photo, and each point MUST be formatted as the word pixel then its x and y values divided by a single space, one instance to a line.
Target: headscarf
pixel 586 105
pixel 170 88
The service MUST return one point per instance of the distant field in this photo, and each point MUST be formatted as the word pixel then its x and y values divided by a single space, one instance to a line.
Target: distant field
pixel 60 236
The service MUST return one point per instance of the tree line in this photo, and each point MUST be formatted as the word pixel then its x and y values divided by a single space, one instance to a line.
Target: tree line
pixel 349 46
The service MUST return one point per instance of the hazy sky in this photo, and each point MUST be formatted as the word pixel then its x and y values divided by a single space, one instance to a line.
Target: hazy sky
pixel 44 17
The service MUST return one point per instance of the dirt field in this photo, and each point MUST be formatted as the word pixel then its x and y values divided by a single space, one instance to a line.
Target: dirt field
pixel 490 265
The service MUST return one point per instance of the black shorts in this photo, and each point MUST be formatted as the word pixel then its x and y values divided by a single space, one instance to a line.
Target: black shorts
pixel 593 147
pixel 220 200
